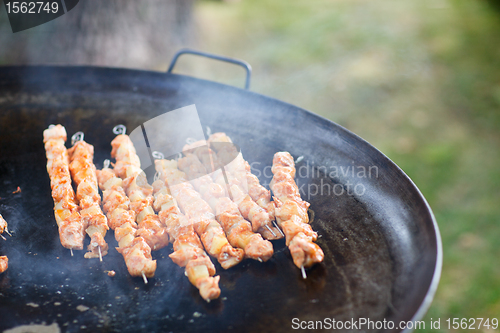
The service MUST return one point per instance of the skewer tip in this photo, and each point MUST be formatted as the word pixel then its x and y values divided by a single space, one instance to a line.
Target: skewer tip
pixel 71 250
pixel 259 259
pixel 3 237
pixel 304 276
pixel 100 254
pixel 144 278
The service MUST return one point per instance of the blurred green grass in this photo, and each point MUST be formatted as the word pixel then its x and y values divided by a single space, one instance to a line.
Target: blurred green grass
pixel 418 79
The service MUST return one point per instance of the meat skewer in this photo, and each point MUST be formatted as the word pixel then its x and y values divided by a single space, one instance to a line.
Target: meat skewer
pixel 291 214
pixel 3 227
pixel 128 199
pixel 4 261
pixel 238 230
pixel 83 172
pixel 240 169
pixel 138 191
pixel 188 249
pixel 200 214
pixel 66 211
pixel 4 264
pixel 136 252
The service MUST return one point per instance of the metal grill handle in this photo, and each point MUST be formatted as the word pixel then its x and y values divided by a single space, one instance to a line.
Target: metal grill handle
pixel 246 66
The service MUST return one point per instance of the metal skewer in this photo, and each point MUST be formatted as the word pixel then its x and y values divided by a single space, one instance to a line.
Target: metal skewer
pixel 277 227
pixel 78 136
pixel 144 278
pixel 304 276
pixel 119 129
pixel 158 155
pixel 156 176
pixel 271 230
pixel 3 237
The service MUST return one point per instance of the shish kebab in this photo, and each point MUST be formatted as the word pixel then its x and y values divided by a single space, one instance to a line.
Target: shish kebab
pixel 3 227
pixel 134 242
pixel 4 264
pixel 66 211
pixel 291 213
pixel 136 252
pixel 4 261
pixel 238 230
pixel 188 248
pixel 83 172
pixel 140 193
pixel 200 214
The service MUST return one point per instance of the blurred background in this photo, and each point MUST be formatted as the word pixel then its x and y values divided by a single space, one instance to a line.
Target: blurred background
pixel 419 79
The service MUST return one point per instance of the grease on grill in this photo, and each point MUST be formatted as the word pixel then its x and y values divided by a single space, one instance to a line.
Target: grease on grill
pixel 82 308
pixel 54 328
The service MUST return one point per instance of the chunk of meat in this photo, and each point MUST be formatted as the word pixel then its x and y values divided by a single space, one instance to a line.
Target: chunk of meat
pixel 4 264
pixel 138 258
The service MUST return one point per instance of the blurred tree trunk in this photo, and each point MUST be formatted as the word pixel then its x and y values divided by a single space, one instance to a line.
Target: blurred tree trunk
pixel 123 33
